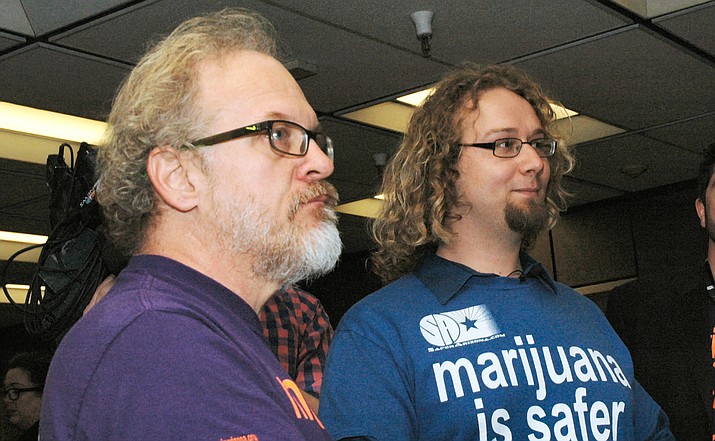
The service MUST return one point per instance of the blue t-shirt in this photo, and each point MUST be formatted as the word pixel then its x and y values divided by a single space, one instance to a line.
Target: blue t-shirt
pixel 170 354
pixel 447 353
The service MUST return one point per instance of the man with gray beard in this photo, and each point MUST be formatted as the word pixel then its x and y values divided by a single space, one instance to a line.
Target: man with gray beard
pixel 212 179
pixel 472 340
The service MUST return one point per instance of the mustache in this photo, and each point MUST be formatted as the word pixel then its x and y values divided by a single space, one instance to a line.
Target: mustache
pixel 315 190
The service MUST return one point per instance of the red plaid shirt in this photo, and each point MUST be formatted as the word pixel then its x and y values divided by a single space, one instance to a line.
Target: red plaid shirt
pixel 298 331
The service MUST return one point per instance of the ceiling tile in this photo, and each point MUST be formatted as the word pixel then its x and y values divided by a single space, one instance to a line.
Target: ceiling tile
pixel 632 79
pixel 61 81
pixel 357 69
pixel 13 18
pixel 126 34
pixel 693 134
pixel 693 25
pixel 8 41
pixel 49 15
pixel 479 31
pixel 585 192
pixel 603 162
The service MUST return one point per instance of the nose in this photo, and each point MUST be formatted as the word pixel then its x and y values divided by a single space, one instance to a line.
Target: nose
pixel 316 165
pixel 530 161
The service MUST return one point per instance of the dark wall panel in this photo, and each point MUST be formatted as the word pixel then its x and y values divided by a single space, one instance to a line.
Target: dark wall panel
pixel 594 245
pixel 541 251
pixel 667 232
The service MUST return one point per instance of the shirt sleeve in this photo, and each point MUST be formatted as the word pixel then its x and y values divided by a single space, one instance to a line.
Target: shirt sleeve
pixel 366 392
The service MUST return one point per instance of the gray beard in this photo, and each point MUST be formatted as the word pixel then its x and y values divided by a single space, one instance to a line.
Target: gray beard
pixel 285 253
pixel 305 255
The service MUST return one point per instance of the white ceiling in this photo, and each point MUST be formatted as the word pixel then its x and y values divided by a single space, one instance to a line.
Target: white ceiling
pixel 653 77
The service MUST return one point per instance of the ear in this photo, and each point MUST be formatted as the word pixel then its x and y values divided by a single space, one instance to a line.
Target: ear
pixel 173 175
pixel 700 209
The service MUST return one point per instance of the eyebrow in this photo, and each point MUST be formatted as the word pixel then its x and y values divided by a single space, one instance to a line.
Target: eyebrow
pixel 512 131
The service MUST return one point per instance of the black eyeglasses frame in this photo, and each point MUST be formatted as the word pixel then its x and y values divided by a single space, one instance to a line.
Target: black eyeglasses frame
pixel 322 140
pixel 553 144
pixel 17 391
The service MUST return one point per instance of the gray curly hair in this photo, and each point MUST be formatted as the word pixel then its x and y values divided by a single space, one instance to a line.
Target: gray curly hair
pixel 156 106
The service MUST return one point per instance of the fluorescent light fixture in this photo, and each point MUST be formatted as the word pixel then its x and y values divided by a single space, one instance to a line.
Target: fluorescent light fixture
pixel 582 128
pixel 395 115
pixel 416 98
pixel 30 239
pixel 562 112
pixel 388 115
pixel 22 119
pixel 11 243
pixel 654 8
pixel 18 293
pixel 368 207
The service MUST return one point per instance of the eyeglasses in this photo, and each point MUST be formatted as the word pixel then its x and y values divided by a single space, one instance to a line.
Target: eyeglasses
pixel 285 137
pixel 510 147
pixel 13 393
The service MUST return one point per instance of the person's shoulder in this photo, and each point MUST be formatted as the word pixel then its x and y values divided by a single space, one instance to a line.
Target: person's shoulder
pixel 297 294
pixel 295 301
pixel 392 300
pixel 140 305
pixel 574 297
pixel 396 291
pixel 382 317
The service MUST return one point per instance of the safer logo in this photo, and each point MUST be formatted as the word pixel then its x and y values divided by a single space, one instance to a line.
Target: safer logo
pixel 468 325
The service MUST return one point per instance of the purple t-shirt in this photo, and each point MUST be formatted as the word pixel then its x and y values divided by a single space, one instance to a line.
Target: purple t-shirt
pixel 171 354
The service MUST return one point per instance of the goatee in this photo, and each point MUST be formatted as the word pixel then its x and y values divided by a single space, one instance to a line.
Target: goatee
pixel 528 220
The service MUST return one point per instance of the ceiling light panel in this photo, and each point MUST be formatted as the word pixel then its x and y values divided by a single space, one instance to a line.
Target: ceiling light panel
pixel 27 120
pixel 580 129
pixel 388 115
pixel 655 8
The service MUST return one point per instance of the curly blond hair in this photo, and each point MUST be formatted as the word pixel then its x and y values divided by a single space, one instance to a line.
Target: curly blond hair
pixel 421 198
pixel 156 106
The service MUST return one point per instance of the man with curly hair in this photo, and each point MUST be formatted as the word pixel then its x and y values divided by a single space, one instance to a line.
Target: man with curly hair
pixel 472 339
pixel 212 178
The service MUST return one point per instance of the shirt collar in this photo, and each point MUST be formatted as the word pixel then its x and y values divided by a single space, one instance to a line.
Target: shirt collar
pixel 446 278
